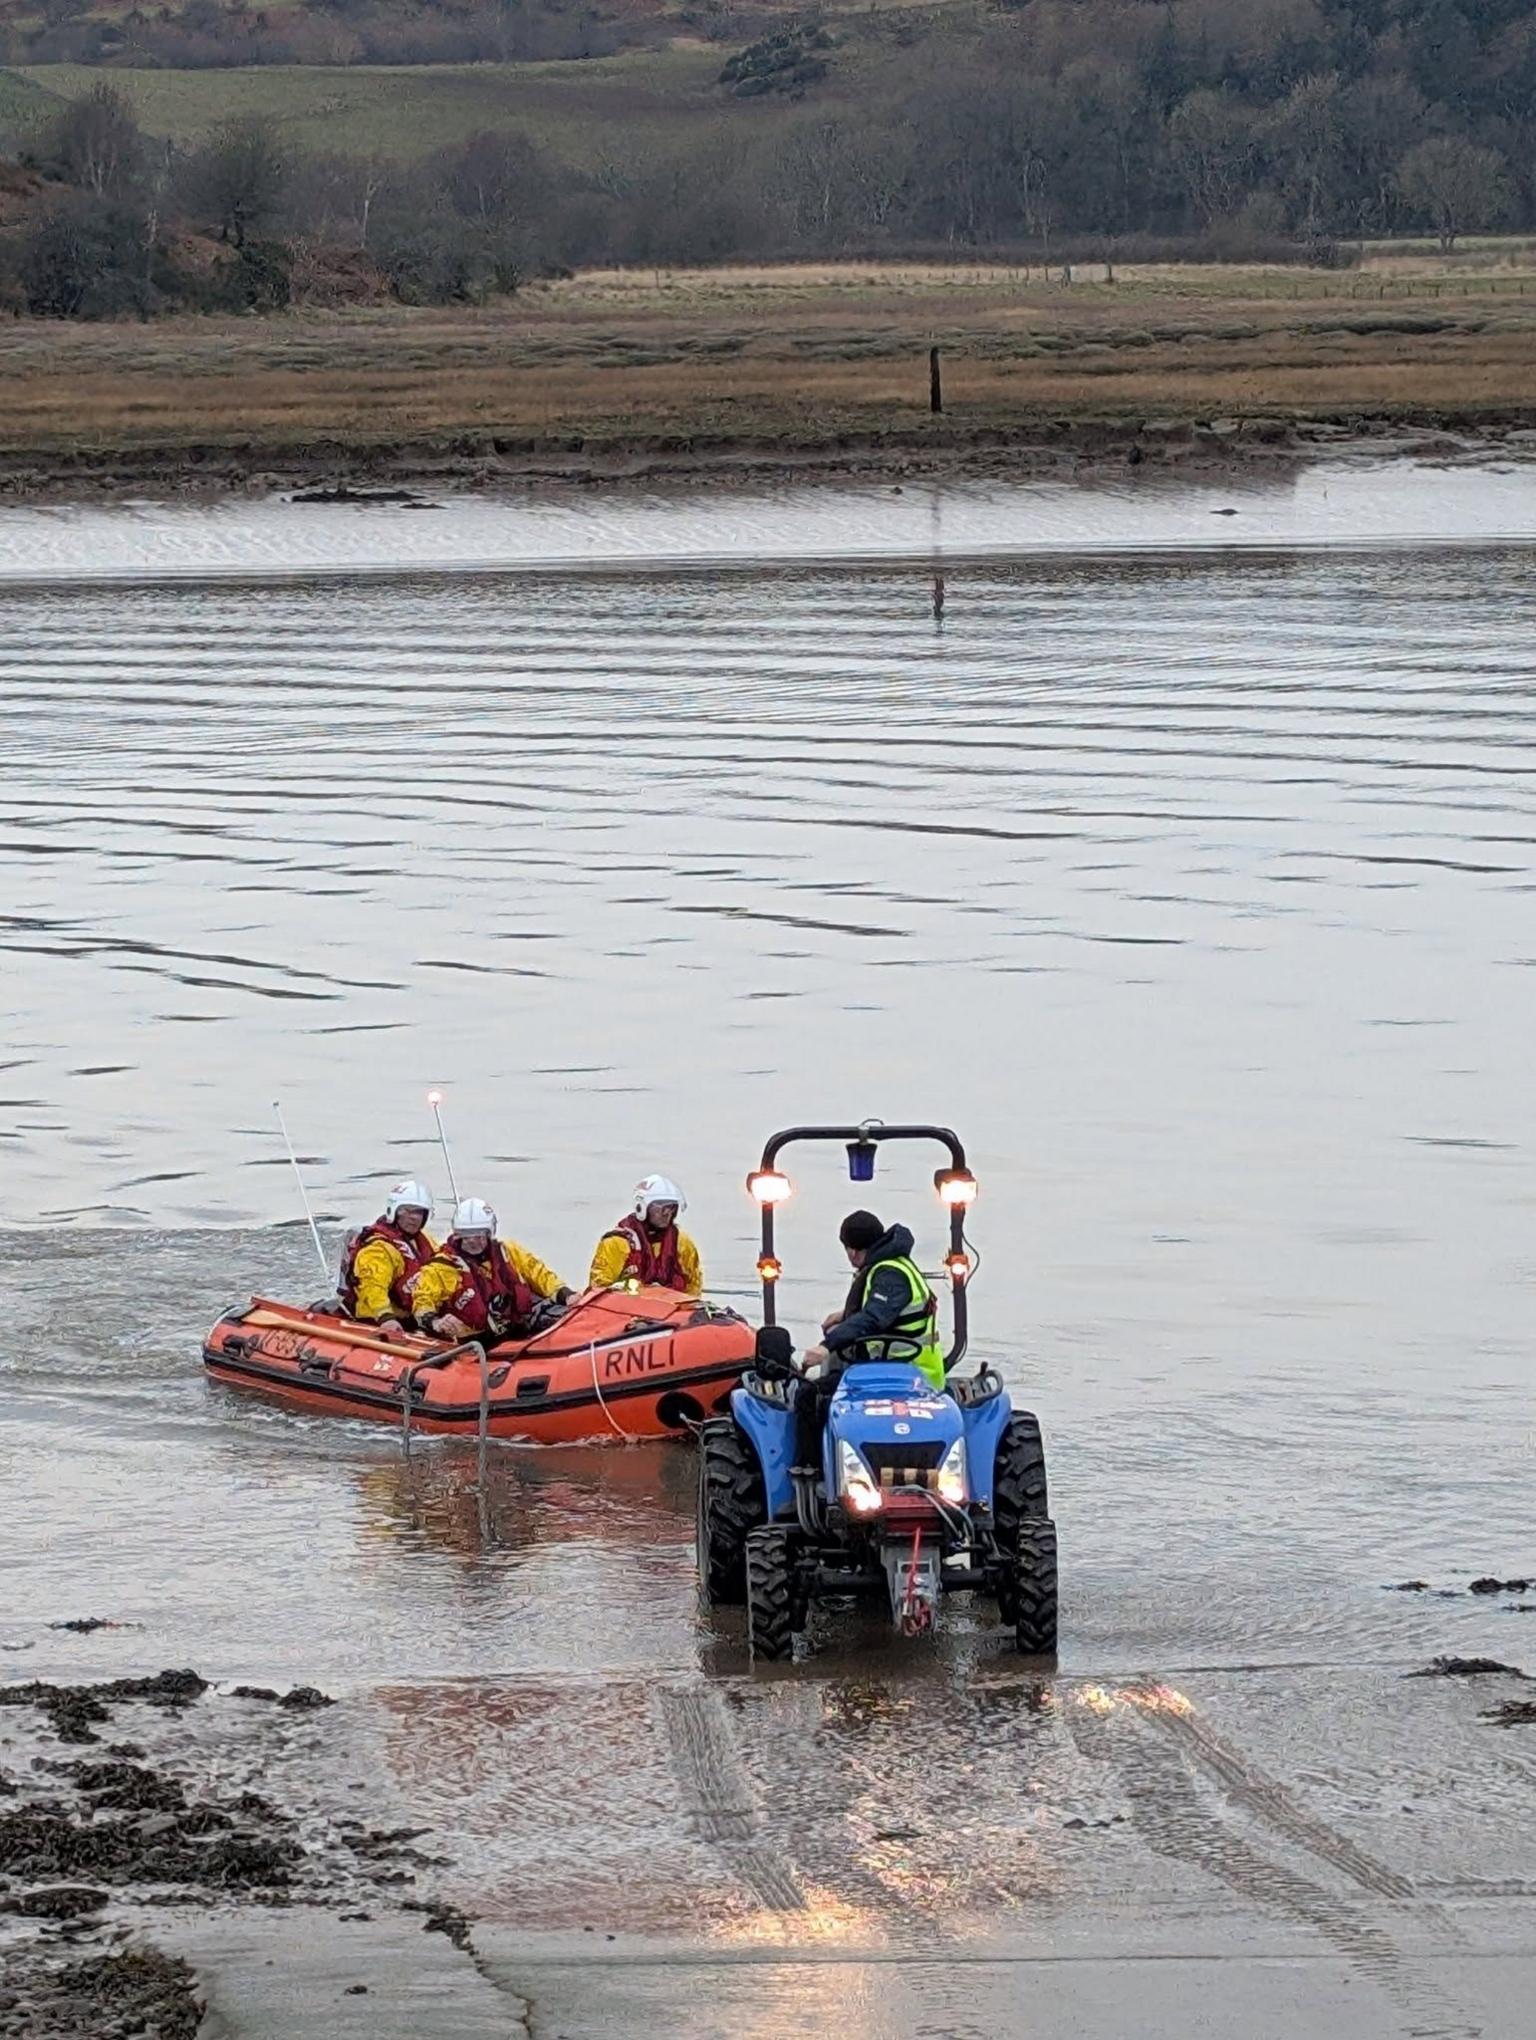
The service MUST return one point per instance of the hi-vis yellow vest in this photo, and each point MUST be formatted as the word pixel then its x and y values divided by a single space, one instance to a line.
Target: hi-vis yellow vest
pixel 917 1327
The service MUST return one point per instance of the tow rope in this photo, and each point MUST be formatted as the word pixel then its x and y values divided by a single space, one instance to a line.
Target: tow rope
pixel 916 1614
pixel 602 1400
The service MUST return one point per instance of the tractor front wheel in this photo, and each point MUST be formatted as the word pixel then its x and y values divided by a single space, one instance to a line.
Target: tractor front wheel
pixel 732 1502
pixel 1034 1587
pixel 1018 1482
pixel 772 1613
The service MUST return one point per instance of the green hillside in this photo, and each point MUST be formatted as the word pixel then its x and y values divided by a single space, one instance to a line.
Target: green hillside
pixel 575 110
pixel 23 101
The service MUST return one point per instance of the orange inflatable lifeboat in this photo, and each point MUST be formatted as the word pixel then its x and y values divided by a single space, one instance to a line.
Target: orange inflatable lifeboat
pixel 644 1363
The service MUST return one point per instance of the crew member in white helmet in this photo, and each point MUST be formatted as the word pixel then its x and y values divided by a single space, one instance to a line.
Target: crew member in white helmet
pixel 380 1260
pixel 477 1285
pixel 646 1245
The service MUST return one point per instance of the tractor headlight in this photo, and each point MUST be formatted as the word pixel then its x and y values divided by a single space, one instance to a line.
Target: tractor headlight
pixel 951 1481
pixel 855 1483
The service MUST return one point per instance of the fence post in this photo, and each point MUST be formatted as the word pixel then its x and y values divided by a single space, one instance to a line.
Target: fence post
pixel 935 383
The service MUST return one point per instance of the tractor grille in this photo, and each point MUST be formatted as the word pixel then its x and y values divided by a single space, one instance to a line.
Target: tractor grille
pixel 907 1464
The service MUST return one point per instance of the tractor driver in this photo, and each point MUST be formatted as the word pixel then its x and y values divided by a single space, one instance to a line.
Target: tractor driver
pixel 891 1314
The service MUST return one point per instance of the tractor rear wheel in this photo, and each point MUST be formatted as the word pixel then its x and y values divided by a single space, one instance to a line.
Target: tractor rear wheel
pixel 771 1597
pixel 1034 1587
pixel 1018 1481
pixel 732 1502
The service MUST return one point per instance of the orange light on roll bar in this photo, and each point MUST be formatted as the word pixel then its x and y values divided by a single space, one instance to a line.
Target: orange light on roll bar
pixel 959 1266
pixel 769 1270
pixel 955 1186
pixel 768 1186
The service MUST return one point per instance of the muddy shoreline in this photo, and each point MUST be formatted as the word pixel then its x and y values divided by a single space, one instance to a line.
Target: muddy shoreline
pixel 329 469
pixel 131 1807
pixel 178 1857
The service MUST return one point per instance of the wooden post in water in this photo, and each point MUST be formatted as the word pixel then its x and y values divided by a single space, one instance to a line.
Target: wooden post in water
pixel 935 383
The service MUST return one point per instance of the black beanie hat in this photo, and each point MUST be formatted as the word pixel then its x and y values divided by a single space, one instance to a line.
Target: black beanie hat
pixel 860 1230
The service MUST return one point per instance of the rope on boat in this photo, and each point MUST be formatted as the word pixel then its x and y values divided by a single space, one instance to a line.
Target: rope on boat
pixel 602 1400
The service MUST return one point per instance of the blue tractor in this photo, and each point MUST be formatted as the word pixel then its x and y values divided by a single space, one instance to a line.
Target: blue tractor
pixel 919 1490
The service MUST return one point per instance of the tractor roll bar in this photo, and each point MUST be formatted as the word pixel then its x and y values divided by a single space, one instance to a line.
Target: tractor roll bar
pixel 870 1133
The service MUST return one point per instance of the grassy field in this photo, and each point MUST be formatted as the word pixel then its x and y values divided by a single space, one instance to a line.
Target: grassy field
pixel 777 366
pixel 23 102
pixel 574 110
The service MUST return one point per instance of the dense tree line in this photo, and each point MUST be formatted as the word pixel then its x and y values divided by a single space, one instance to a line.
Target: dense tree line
pixel 1252 125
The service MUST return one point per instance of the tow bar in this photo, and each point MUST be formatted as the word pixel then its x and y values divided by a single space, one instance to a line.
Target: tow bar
pixel 914 1584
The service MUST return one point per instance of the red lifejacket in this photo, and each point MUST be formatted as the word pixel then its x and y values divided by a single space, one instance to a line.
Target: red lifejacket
pixel 651 1261
pixel 488 1289
pixel 415 1248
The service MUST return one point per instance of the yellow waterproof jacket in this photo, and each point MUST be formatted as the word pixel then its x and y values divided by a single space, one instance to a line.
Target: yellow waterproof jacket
pixel 611 1260
pixel 439 1282
pixel 377 1268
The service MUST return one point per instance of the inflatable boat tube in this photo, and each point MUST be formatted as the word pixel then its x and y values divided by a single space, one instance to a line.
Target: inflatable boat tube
pixel 644 1363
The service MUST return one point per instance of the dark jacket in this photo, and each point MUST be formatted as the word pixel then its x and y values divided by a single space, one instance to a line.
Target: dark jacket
pixel 889 1299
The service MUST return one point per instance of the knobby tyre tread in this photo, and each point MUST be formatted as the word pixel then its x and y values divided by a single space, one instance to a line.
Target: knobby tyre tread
pixel 770 1595
pixel 1034 1588
pixel 731 1504
pixel 1019 1487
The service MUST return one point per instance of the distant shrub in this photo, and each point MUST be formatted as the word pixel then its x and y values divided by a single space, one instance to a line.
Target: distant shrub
pixel 255 277
pixel 785 63
pixel 86 258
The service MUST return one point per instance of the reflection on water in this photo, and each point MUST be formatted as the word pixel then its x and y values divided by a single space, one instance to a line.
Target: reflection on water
pixel 530 1497
pixel 1390 502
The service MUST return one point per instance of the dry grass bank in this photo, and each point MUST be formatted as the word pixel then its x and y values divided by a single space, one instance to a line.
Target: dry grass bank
pixel 768 364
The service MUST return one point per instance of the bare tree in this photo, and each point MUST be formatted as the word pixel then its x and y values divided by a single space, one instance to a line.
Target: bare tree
pixel 1306 136
pixel 1213 143
pixel 1454 184
pixel 96 143
pixel 1035 197
pixel 240 175
pixel 494 178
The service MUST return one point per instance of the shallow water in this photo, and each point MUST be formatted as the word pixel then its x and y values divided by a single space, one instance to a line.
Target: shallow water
pixel 1195 889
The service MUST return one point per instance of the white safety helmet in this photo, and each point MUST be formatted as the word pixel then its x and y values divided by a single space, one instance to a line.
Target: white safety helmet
pixel 473 1214
pixel 658 1190
pixel 409 1197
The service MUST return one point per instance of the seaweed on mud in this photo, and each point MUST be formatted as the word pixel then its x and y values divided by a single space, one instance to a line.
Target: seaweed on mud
pixel 74 1711
pixel 379 1841
pixel 343 492
pixel 55 1902
pixel 1489 1585
pixel 1512 1713
pixel 447 1919
pixel 127 1788
pixel 392 1846
pixel 136 1991
pixel 197 1845
pixel 303 1698
pixel 87 1625
pixel 299 1699
pixel 160 1689
pixel 1466 1668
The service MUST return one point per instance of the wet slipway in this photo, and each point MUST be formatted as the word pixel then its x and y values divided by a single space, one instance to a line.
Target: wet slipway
pixel 1186 862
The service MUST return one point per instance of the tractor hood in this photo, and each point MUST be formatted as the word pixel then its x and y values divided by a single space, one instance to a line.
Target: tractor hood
pixel 881 1403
